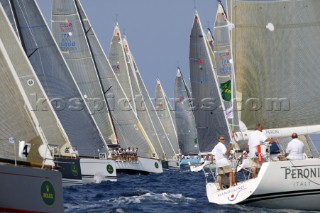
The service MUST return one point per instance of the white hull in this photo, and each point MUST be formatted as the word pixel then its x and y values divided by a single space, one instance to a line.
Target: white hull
pixel 174 164
pixel 26 189
pixel 143 165
pixel 97 170
pixel 280 184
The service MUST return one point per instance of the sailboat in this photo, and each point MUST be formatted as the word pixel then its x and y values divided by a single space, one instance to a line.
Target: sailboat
pixel 185 122
pixel 97 73
pixel 272 65
pixel 63 94
pixel 209 111
pixel 141 109
pixel 20 130
pixel 164 111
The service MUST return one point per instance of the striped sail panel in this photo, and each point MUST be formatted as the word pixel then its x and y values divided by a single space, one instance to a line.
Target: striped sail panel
pixel 209 115
pixel 128 127
pixel 141 108
pixel 119 64
pixel 275 45
pixel 68 31
pixel 48 122
pixel 185 122
pixel 162 135
pixel 55 78
pixel 224 67
pixel 163 110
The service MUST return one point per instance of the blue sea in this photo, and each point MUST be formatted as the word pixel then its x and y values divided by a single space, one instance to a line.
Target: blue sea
pixel 175 190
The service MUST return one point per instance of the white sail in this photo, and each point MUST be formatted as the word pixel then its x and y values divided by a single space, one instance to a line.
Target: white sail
pixel 185 122
pixel 163 110
pixel 141 108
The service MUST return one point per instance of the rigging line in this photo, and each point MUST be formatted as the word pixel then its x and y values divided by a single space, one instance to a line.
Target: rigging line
pixel 96 68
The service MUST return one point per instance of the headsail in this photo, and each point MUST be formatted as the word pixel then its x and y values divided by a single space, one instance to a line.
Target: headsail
pixel 185 122
pixel 276 72
pixel 163 108
pixel 209 111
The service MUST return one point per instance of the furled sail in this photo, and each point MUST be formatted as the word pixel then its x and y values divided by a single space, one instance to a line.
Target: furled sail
pixel 274 56
pixel 69 33
pixel 209 111
pixel 163 110
pixel 129 129
pixel 185 122
pixel 55 78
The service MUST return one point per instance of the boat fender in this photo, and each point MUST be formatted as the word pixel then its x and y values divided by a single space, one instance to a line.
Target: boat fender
pixel 259 154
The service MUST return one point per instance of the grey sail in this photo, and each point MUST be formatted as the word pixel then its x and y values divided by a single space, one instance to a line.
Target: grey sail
pixel 224 66
pixel 6 5
pixel 129 129
pixel 276 74
pixel 209 111
pixel 15 112
pixel 69 33
pixel 55 78
pixel 142 110
pixel 119 64
pixel 48 121
pixel 185 122
pixel 163 110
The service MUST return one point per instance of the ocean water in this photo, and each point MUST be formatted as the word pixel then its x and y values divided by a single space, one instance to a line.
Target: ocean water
pixel 175 190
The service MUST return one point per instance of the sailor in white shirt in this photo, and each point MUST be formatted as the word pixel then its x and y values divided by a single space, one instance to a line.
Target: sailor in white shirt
pixel 256 138
pixel 295 148
pixel 221 152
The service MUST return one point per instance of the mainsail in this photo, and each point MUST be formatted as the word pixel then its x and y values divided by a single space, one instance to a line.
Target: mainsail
pixel 17 118
pixel 274 54
pixel 185 122
pixel 163 109
pixel 68 30
pixel 142 110
pixel 224 66
pixel 55 78
pixel 48 122
pixel 209 111
pixel 128 127
pixel 119 63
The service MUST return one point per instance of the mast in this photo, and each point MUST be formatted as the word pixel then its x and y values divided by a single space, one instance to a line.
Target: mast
pixel 99 77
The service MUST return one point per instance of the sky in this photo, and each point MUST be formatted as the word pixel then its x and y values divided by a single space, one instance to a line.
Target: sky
pixel 158 32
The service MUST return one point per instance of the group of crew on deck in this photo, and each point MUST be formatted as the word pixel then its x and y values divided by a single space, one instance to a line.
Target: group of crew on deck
pixel 129 154
pixel 294 151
